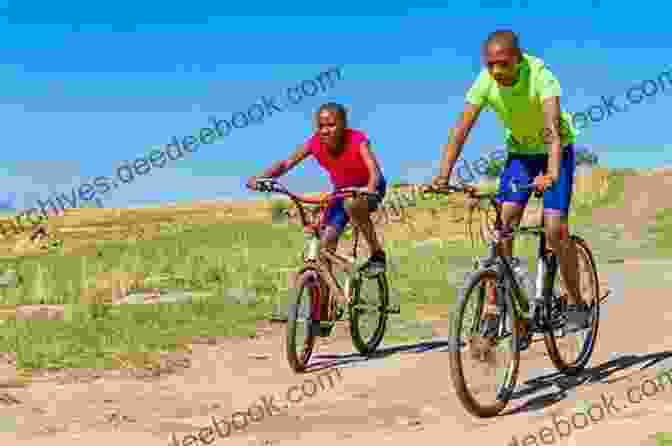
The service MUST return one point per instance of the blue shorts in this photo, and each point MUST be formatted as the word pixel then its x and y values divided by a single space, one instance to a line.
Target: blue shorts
pixel 523 169
pixel 338 218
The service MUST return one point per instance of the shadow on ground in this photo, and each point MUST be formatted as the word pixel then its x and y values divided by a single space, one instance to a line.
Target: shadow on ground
pixel 325 361
pixel 563 383
pixel 592 375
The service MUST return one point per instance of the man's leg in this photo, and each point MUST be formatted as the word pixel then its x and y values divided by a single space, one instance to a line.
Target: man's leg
pixel 513 205
pixel 512 213
pixel 557 235
pixel 557 202
pixel 512 202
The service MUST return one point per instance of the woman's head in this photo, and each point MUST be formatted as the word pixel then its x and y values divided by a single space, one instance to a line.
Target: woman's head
pixel 331 121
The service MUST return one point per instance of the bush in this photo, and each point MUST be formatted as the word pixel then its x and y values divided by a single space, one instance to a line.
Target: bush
pixel 279 209
pixel 494 168
pixel 586 157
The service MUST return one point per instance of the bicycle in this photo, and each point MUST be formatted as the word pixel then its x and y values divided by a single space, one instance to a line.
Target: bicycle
pixel 506 293
pixel 322 310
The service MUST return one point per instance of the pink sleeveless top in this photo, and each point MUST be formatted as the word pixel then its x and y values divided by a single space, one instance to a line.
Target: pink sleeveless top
pixel 348 168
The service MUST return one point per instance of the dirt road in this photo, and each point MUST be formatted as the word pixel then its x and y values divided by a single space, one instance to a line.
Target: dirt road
pixel 404 395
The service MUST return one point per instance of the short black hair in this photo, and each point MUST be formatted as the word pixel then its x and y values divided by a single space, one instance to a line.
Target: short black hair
pixel 505 38
pixel 337 108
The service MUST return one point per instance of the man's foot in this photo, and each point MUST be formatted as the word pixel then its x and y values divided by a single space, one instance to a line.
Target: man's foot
pixel 577 317
pixel 376 264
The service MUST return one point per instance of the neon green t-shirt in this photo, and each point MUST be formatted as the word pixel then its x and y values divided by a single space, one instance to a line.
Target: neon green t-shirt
pixel 520 107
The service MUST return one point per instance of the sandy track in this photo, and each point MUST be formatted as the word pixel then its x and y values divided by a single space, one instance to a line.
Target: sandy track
pixel 403 395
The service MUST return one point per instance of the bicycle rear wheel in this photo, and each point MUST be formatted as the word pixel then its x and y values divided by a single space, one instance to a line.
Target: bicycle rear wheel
pixel 303 319
pixel 474 356
pixel 368 310
pixel 571 353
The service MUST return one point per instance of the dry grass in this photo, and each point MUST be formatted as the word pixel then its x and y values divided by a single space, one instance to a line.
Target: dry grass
pixel 210 248
pixel 83 229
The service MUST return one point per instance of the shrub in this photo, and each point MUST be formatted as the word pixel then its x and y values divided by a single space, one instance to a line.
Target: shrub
pixel 279 209
pixel 494 168
pixel 585 157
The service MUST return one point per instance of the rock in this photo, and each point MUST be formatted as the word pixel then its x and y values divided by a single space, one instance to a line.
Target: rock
pixel 9 279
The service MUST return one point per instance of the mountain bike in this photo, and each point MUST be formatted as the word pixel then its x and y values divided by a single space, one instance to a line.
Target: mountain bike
pixel 320 300
pixel 516 320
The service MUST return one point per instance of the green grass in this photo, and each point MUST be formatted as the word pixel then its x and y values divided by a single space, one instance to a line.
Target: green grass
pixel 663 232
pixel 212 259
pixel 85 341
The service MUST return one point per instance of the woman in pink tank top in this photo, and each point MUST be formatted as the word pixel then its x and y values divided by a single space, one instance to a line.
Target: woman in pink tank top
pixel 347 156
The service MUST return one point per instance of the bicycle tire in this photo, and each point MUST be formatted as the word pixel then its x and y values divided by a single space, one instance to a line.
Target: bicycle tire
pixel 456 368
pixel 308 279
pixel 550 339
pixel 363 346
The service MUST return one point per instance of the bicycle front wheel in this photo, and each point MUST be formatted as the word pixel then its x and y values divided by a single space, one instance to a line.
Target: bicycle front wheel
pixel 490 362
pixel 571 353
pixel 303 319
pixel 368 313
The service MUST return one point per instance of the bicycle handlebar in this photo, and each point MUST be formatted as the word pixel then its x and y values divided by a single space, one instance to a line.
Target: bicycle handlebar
pixel 445 189
pixel 473 191
pixel 271 185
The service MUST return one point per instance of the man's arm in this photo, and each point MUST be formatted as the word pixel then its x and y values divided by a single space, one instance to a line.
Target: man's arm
pixel 553 137
pixel 458 136
pixel 372 163
pixel 282 167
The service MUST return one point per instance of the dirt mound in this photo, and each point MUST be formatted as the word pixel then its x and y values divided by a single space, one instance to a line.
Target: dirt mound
pixel 644 195
pixel 37 241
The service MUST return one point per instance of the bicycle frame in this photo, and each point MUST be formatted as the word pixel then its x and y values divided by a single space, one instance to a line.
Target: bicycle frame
pixel 321 258
pixel 546 265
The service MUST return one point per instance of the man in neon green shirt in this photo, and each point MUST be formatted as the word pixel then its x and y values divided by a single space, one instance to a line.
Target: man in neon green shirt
pixel 525 95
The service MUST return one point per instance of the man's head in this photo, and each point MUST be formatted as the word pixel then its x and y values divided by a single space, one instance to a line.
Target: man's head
pixel 502 54
pixel 332 119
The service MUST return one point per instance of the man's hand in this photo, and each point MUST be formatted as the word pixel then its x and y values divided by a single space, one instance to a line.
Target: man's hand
pixel 543 182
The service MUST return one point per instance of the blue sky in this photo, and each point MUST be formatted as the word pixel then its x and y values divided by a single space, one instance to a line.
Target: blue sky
pixel 88 85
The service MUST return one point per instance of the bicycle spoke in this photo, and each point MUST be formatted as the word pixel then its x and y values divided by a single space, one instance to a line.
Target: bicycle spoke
pixel 483 364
